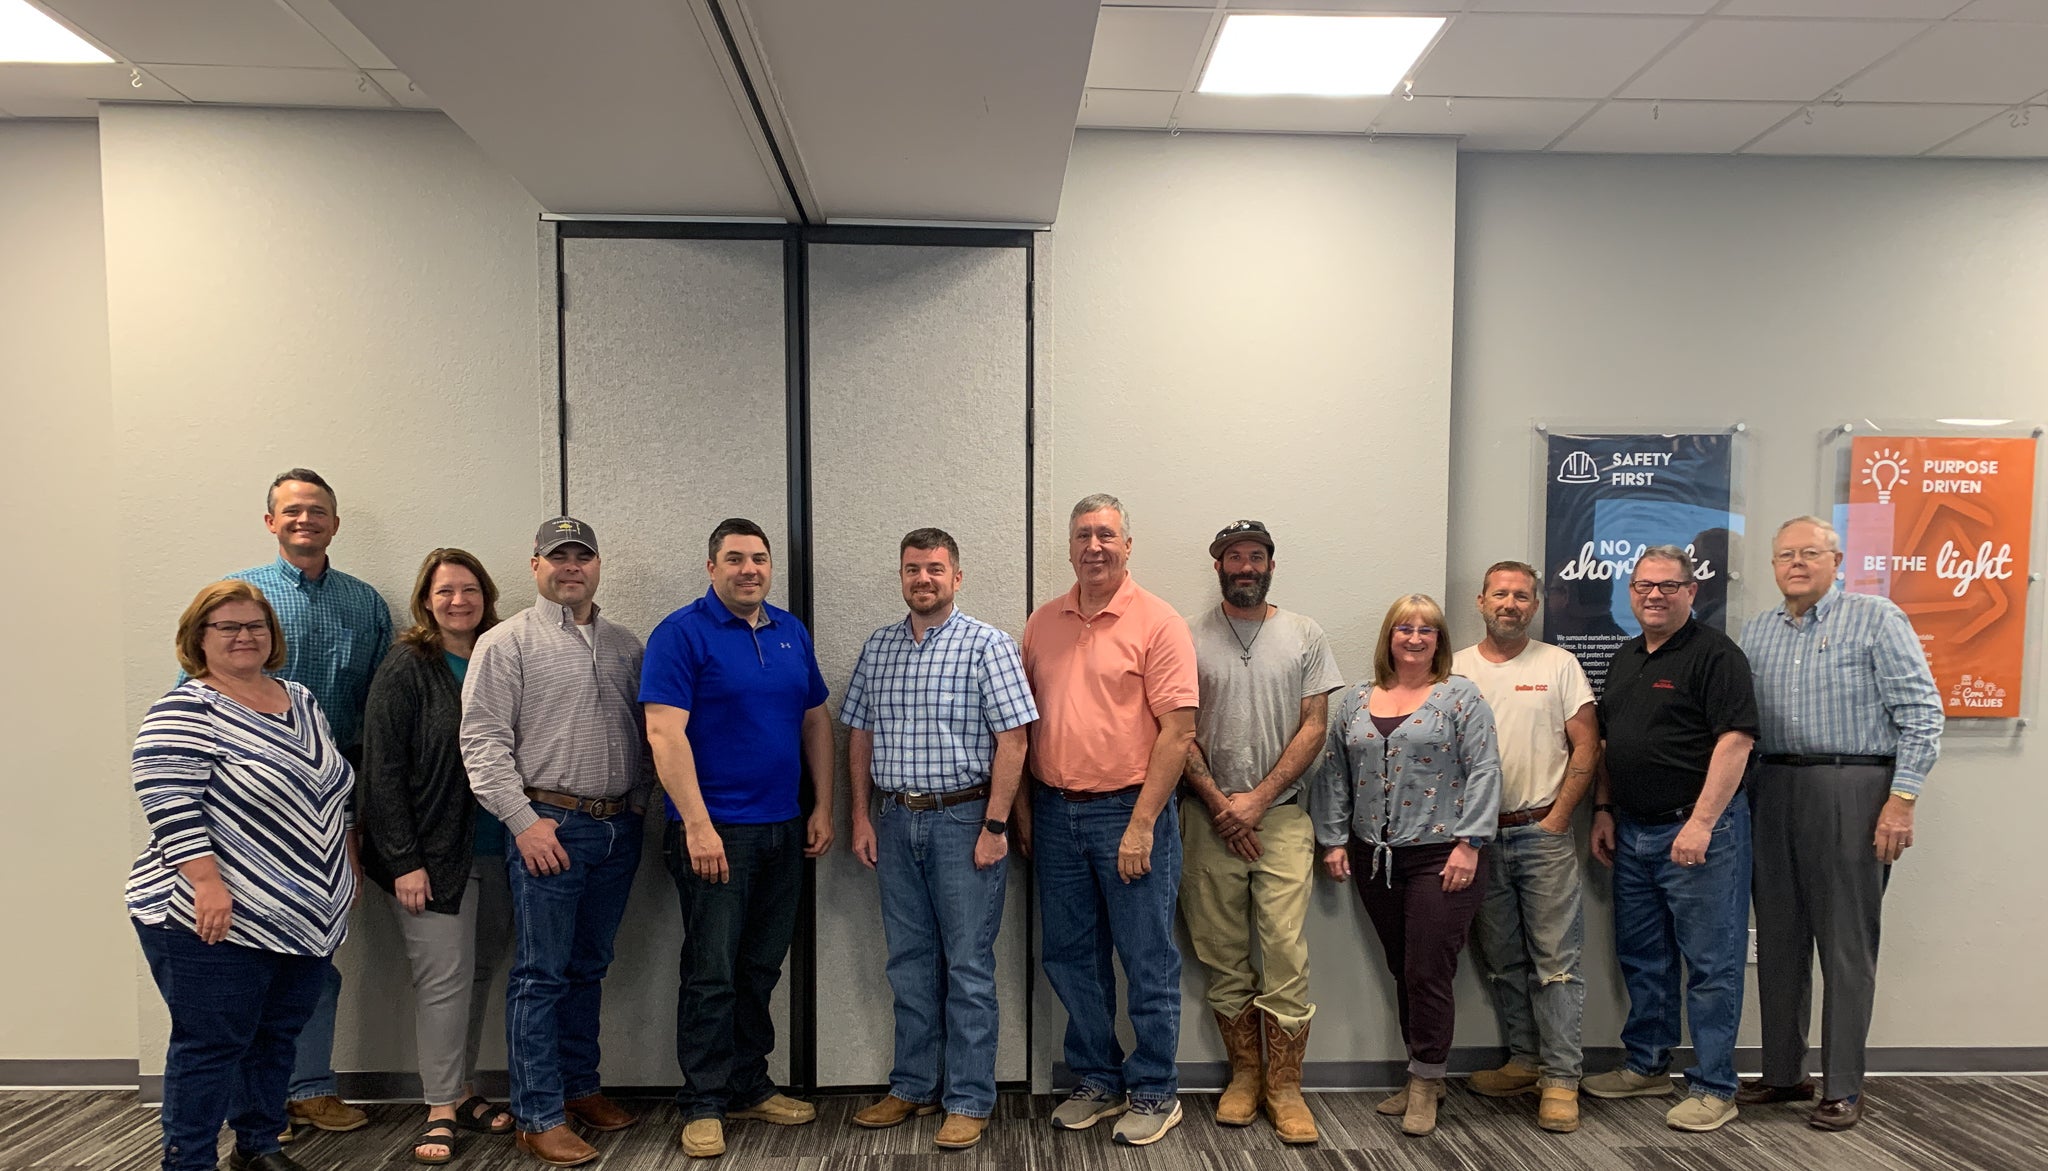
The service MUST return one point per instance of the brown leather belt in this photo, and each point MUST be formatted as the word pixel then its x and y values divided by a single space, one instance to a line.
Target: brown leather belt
pixel 1079 796
pixel 599 807
pixel 926 801
pixel 1526 816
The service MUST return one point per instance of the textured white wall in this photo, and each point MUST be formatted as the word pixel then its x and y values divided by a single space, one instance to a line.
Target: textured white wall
pixel 350 292
pixel 1793 295
pixel 60 712
pixel 1259 326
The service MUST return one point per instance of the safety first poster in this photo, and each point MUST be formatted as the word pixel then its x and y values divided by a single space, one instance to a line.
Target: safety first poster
pixel 1940 526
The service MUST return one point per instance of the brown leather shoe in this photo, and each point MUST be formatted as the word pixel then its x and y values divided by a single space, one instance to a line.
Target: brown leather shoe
pixel 891 1111
pixel 960 1132
pixel 599 1113
pixel 1836 1113
pixel 557 1146
pixel 1757 1093
pixel 326 1113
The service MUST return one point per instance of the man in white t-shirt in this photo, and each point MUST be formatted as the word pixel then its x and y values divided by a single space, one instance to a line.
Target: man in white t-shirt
pixel 1532 926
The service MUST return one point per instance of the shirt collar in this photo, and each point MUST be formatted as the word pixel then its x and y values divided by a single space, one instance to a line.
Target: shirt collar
pixel 720 612
pixel 296 576
pixel 1118 602
pixel 560 615
pixel 950 619
pixel 1819 610
pixel 1677 640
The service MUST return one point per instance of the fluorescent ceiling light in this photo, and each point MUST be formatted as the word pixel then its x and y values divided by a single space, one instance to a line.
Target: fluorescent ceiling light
pixel 1333 56
pixel 1975 422
pixel 28 34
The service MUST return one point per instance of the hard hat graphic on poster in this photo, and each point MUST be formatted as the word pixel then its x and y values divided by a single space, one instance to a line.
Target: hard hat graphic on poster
pixel 1940 525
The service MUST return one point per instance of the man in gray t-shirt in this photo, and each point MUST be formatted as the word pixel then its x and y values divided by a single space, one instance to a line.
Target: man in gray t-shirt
pixel 1248 852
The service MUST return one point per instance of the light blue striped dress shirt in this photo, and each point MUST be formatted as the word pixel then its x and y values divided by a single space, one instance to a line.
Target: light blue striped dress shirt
pixel 1848 678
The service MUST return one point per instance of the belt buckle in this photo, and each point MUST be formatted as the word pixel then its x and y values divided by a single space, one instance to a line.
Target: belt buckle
pixel 918 802
pixel 605 808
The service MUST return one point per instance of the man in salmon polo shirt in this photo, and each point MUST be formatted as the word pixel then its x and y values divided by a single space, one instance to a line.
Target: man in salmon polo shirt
pixel 1113 670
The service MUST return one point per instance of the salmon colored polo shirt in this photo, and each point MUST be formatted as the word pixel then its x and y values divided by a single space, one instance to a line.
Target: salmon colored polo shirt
pixel 1102 684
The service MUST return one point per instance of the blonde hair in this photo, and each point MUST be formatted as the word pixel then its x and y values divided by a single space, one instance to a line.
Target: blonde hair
pixel 1412 606
pixel 192 624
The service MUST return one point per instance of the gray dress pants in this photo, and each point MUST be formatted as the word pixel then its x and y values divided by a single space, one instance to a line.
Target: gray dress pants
pixel 1817 885
pixel 454 958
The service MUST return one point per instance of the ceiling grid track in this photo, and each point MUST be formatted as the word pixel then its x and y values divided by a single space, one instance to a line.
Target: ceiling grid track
pixel 743 63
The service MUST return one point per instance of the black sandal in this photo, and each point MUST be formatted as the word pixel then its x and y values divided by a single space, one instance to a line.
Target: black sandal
pixel 440 1132
pixel 477 1114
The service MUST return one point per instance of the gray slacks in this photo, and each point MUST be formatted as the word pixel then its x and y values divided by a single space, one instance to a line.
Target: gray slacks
pixel 454 958
pixel 1817 886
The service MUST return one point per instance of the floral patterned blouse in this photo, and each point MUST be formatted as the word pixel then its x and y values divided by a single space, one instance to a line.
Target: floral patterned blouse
pixel 1435 779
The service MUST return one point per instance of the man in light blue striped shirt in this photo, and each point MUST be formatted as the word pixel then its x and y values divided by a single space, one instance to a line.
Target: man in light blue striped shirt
pixel 1851 724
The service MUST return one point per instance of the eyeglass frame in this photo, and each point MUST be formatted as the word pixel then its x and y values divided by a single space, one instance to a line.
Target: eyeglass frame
pixel 232 629
pixel 1642 589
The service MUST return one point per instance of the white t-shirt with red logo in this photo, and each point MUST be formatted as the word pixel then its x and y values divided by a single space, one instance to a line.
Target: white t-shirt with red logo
pixel 1532 695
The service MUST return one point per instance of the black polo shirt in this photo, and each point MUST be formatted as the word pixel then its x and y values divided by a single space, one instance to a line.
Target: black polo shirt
pixel 1663 711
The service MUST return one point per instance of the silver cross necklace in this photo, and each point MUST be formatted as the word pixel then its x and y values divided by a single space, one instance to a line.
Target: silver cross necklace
pixel 1246 647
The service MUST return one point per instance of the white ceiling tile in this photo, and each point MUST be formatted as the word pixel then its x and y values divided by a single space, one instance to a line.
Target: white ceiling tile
pixel 1146 48
pixel 203 32
pixel 71 91
pixel 1859 9
pixel 1400 7
pixel 2012 134
pixel 242 86
pixel 1633 127
pixel 330 23
pixel 1127 108
pixel 1306 115
pixel 1640 7
pixel 403 89
pixel 1542 56
pixel 1962 63
pixel 1769 60
pixel 2021 10
pixel 1483 123
pixel 1890 130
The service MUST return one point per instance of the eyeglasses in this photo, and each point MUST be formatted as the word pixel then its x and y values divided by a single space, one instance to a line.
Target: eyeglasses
pixel 1407 631
pixel 1642 589
pixel 1791 556
pixel 232 629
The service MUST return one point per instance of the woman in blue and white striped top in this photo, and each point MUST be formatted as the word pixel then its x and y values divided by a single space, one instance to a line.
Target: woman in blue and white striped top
pixel 243 889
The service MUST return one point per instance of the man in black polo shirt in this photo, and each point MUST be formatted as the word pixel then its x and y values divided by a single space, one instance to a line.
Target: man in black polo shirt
pixel 1678 717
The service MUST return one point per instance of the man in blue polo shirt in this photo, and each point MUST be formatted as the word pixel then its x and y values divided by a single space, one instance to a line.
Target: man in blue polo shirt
pixel 736 715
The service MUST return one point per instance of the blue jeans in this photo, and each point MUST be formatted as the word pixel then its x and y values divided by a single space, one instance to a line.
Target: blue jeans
pixel 313 1059
pixel 235 1013
pixel 1665 913
pixel 563 925
pixel 940 916
pixel 1530 933
pixel 1085 912
pixel 735 936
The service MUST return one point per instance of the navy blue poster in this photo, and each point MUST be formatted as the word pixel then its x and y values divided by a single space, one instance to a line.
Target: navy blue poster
pixel 1608 497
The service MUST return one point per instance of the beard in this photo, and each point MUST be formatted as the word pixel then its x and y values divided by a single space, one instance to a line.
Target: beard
pixel 1245 594
pixel 1508 629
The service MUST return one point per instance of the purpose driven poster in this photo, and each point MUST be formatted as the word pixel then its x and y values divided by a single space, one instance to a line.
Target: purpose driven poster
pixel 1611 496
pixel 1940 526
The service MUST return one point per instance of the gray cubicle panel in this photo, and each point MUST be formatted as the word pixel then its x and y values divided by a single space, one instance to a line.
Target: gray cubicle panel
pixel 918 410
pixel 676 391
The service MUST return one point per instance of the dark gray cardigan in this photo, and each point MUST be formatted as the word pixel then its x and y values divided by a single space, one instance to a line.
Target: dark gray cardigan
pixel 417 810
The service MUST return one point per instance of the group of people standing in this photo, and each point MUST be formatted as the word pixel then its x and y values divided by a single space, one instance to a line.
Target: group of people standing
pixel 501 771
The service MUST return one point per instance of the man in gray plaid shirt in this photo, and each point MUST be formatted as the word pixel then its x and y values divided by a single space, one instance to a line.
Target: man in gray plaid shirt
pixel 938 705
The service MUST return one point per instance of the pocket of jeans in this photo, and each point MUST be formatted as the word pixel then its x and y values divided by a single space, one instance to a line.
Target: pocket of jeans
pixel 967 812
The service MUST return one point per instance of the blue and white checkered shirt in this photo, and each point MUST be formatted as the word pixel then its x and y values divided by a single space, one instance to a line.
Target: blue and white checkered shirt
pixel 1850 679
pixel 935 707
pixel 336 630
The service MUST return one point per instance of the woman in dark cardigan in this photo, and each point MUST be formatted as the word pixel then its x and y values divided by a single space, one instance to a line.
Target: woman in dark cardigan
pixel 427 844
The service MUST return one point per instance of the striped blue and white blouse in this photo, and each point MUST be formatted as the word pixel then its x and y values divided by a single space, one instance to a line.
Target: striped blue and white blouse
pixel 267 796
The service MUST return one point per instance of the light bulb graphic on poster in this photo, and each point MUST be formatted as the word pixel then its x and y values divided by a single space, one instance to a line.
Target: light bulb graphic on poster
pixel 1941 525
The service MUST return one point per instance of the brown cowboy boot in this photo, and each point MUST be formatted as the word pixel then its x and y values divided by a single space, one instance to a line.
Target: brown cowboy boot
pixel 1240 1101
pixel 1284 1105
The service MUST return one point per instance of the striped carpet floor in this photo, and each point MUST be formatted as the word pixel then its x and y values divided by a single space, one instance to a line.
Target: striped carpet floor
pixel 1914 1124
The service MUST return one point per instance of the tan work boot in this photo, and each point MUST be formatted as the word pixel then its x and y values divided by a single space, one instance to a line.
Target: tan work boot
pixel 326 1113
pixel 1506 1082
pixel 960 1132
pixel 1558 1110
pixel 780 1109
pixel 1423 1095
pixel 1284 1105
pixel 890 1111
pixel 703 1138
pixel 1396 1104
pixel 1240 1101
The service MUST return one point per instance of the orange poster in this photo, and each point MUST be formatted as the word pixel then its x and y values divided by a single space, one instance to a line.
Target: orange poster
pixel 1940 526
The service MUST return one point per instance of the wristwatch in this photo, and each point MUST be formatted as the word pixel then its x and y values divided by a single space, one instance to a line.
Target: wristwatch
pixel 996 826
pixel 1476 843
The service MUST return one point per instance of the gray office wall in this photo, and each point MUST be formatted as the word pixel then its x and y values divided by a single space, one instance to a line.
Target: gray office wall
pixel 676 398
pixel 917 361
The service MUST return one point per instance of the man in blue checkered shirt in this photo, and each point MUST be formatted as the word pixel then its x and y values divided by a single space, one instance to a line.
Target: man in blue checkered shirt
pixel 938 705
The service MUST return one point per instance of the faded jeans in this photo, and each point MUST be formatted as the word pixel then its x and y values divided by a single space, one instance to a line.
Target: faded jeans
pixel 1528 939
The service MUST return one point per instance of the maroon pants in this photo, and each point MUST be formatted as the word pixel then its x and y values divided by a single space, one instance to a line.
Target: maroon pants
pixel 1423 927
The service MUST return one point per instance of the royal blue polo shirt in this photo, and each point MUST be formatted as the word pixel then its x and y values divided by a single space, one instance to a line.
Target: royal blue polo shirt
pixel 746 689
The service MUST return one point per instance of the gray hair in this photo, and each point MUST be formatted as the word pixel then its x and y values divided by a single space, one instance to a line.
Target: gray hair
pixel 1827 530
pixel 1096 503
pixel 1671 553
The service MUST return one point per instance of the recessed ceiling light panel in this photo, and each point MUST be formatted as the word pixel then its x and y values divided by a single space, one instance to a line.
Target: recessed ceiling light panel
pixel 1331 56
pixel 27 34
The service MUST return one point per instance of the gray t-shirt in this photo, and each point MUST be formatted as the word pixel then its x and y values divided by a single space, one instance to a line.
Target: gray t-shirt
pixel 1250 710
